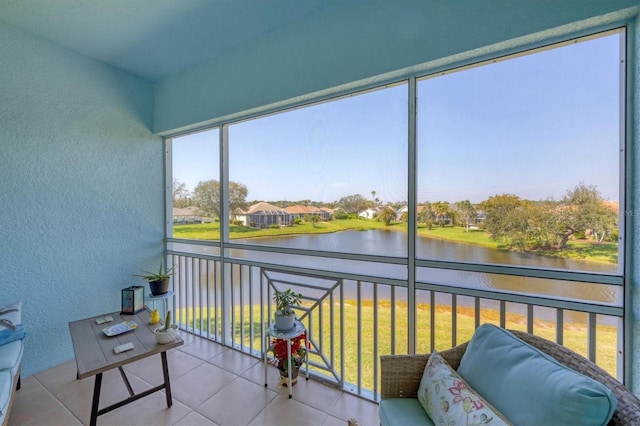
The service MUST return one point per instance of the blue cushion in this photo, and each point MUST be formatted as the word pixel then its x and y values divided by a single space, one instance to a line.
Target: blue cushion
pixel 13 315
pixel 7 335
pixel 530 387
pixel 10 356
pixel 6 385
pixel 402 412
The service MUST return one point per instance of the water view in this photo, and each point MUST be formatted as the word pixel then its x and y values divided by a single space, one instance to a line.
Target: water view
pixel 395 243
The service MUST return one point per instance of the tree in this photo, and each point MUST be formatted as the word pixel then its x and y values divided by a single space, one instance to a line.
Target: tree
pixel 180 194
pixel 237 197
pixel 442 210
pixel 506 219
pixel 588 213
pixel 549 224
pixel 353 203
pixel 313 219
pixel 426 215
pixel 466 213
pixel 375 200
pixel 387 215
pixel 207 197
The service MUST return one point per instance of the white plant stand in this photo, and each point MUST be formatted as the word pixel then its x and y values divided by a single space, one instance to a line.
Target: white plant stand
pixel 273 332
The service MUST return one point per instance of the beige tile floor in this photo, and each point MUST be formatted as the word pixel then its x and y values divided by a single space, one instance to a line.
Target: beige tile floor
pixel 211 385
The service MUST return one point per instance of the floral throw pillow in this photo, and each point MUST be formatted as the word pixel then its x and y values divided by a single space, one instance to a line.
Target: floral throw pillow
pixel 448 400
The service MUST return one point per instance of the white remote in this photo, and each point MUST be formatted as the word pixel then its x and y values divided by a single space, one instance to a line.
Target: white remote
pixel 123 348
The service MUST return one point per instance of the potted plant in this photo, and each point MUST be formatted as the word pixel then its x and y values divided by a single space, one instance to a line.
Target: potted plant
pixel 299 347
pixel 167 333
pixel 158 281
pixel 285 316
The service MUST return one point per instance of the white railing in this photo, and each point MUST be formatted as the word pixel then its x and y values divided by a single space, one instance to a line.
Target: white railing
pixel 353 318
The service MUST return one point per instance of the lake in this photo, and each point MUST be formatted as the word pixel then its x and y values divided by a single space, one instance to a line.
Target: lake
pixel 393 243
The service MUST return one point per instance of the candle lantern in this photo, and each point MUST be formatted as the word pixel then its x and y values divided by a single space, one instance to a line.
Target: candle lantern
pixel 132 300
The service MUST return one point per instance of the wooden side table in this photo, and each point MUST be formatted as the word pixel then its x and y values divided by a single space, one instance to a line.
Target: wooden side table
pixel 296 331
pixel 94 355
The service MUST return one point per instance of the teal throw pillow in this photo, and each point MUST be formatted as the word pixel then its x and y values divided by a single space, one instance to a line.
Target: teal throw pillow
pixel 530 387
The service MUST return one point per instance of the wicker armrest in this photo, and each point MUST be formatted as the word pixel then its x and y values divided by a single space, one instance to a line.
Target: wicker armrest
pixel 400 375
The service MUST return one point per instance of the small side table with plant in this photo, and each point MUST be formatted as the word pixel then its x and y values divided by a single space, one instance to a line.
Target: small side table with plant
pixel 289 344
pixel 290 350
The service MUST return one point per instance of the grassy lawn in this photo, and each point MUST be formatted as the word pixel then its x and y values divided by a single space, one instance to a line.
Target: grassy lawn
pixel 211 231
pixel 576 249
pixel 575 334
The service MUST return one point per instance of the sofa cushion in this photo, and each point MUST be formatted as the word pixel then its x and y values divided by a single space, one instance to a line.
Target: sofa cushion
pixel 529 386
pixel 13 315
pixel 10 356
pixel 402 412
pixel 6 383
pixel 448 399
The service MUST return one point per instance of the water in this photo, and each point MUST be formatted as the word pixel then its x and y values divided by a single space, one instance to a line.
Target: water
pixel 393 243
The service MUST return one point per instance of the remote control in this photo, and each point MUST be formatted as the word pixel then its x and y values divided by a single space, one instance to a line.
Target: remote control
pixel 123 348
pixel 104 319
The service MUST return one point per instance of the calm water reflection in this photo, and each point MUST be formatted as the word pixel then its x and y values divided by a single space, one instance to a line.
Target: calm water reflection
pixel 393 243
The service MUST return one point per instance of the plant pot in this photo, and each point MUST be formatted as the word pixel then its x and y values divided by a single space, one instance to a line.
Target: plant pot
pixel 285 322
pixel 166 336
pixel 159 287
pixel 284 378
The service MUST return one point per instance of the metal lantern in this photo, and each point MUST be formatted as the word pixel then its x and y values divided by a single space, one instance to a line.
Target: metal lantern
pixel 132 300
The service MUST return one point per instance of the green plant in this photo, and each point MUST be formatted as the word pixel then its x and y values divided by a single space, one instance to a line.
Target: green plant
pixel 299 347
pixel 167 321
pixel 285 299
pixel 162 274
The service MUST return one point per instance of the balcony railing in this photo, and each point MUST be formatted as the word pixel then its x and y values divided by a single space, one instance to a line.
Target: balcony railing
pixel 354 317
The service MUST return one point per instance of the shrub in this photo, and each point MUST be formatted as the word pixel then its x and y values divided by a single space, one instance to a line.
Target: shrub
pixel 274 226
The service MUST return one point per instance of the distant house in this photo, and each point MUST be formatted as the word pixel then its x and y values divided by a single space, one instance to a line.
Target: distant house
pixel 372 212
pixel 186 215
pixel 300 211
pixel 405 209
pixel 262 215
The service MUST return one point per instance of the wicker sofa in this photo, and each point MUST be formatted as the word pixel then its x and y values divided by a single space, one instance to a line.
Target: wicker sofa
pixel 401 374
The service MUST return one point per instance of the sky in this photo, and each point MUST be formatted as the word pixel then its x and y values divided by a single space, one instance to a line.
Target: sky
pixel 535 126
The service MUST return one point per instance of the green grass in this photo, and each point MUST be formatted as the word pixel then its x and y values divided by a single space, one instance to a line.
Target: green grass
pixel 576 249
pixel 575 333
pixel 211 231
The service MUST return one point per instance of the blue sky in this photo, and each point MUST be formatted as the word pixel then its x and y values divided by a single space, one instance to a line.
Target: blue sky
pixel 534 126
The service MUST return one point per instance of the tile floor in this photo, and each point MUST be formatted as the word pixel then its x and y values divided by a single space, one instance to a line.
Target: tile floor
pixel 211 385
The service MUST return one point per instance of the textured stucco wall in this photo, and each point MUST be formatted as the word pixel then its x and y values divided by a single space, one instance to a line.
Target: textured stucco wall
pixel 81 189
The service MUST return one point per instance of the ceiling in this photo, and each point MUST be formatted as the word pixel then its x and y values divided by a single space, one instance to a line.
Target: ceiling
pixel 154 38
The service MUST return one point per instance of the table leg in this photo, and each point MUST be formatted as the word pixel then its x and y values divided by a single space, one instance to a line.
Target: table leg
pixel 167 383
pixel 96 399
pixel 265 354
pixel 306 356
pixel 290 368
pixel 126 381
